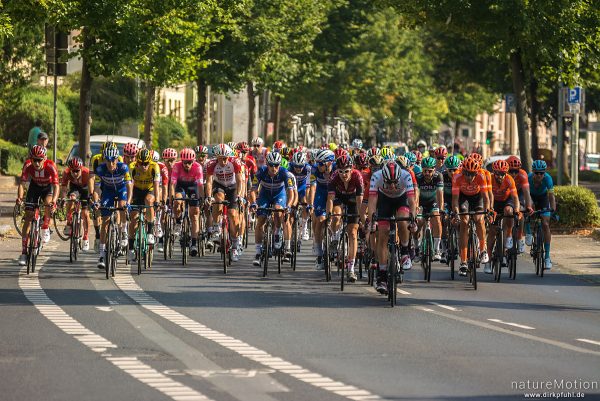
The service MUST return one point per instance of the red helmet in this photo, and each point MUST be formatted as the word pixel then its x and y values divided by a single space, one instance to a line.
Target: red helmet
pixel 187 154
pixel 361 160
pixel 471 165
pixel 339 152
pixel 75 163
pixel 38 152
pixel 419 155
pixel 300 148
pixel 514 163
pixel 441 152
pixel 278 145
pixel 501 166
pixel 242 147
pixel 343 162
pixel 476 157
pixel 130 149
pixel 169 153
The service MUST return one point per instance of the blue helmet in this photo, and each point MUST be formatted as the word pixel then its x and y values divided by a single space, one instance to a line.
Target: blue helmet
pixel 539 165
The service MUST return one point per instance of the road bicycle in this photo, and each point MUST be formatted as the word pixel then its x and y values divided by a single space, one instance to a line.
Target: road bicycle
pixel 451 244
pixel 34 242
pixel 512 253
pixel 473 259
pixel 113 248
pixel 426 248
pixel 341 248
pixel 185 238
pixel 143 250
pixel 225 241
pixel 168 234
pixel 75 236
pixel 538 250
pixel 497 256
pixel 268 239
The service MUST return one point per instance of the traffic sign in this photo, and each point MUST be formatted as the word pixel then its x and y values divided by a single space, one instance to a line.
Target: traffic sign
pixel 574 95
pixel 510 102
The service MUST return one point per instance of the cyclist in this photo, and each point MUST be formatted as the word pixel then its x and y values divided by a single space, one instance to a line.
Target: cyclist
pixel 488 176
pixel 274 186
pixel 345 188
pixel 129 151
pixel 42 176
pixel 391 193
pixel 422 148
pixel 522 182
pixel 76 181
pixel 541 188
pixel 164 188
pixel 114 181
pixel 259 153
pixel 226 173
pixel 301 170
pixel 357 145
pixel 419 158
pixel 452 164
pixel 431 195
pixel 251 168
pixel 469 188
pixel 506 202
pixel 169 156
pixel 440 156
pixel 319 181
pixel 146 177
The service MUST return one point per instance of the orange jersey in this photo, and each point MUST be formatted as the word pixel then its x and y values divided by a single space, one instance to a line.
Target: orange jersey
pixel 521 180
pixel 462 185
pixel 488 177
pixel 504 189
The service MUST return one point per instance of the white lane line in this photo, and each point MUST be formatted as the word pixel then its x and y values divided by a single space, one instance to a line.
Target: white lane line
pixel 585 340
pixel 33 291
pixel 128 285
pixel 403 292
pixel 452 308
pixel 521 326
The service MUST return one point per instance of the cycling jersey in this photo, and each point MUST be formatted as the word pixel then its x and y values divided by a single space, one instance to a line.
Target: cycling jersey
pixel 428 189
pixel 47 175
pixel 354 187
pixel 541 189
pixel 521 180
pixel 191 177
pixel 302 178
pixel 145 180
pixel 404 185
pixel 259 156
pixel 488 177
pixel 272 188
pixel 112 180
pixel 462 185
pixel 80 181
pixel 321 178
pixel 251 166
pixel 366 176
pixel 224 175
pixel 503 190
pixel 164 173
pixel 447 187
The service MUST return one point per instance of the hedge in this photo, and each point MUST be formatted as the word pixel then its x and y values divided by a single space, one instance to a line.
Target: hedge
pixel 577 207
pixel 584 175
pixel 11 157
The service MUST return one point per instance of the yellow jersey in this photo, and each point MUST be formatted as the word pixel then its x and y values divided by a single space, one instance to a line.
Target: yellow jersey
pixel 144 179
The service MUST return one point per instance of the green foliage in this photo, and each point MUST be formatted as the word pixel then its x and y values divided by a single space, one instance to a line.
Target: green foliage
pixel 577 207
pixel 589 175
pixel 167 132
pixel 12 157
pixel 38 103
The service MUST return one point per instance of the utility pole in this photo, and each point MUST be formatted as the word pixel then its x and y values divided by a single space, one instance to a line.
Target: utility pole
pixel 575 99
pixel 560 143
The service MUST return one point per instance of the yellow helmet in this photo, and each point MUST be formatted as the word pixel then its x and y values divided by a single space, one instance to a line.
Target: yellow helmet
pixel 143 156
pixel 332 146
pixel 106 145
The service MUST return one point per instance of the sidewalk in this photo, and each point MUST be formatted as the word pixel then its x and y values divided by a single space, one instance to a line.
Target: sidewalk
pixel 577 255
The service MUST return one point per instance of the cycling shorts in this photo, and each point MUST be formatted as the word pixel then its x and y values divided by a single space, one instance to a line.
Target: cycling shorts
pixel 473 203
pixel 35 193
pixel 108 198
pixel 230 193
pixel 429 207
pixel 267 199
pixel 80 192
pixel 139 196
pixel 541 202
pixel 500 205
pixel 351 207
pixel 190 190
pixel 320 203
pixel 388 207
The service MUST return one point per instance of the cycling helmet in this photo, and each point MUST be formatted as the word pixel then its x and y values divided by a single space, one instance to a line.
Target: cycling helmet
pixel 107 145
pixel 501 166
pixel 387 154
pixel 539 165
pixel 357 143
pixel 232 145
pixel 514 163
pixel 242 147
pixel 169 153
pixel 274 158
pixel 325 156
pixel 300 148
pixel 374 151
pixel 428 162
pixel 452 162
pixel 257 142
pixel 144 156
pixel 402 161
pixel 155 156
pixel 418 155
pixel 38 152
pixel 471 165
pixel 111 153
pixel 421 142
pixel 332 146
pixel 222 150
pixel 287 152
pixel 201 150
pixel 75 163
pixel 187 154
pixel 339 152
pixel 441 152
pixel 130 149
pixel 412 158
pixel 344 145
pixel 314 153
pixel 298 160
pixel 477 157
pixel 343 162
pixel 375 160
pixel 391 171
pixel 278 145
pixel 361 160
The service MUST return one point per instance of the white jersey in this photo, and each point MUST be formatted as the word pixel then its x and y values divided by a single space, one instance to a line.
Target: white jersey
pixel 224 175
pixel 403 187
pixel 259 156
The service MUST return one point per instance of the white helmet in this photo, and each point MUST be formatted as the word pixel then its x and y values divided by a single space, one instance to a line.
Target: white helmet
pixel 257 141
pixel 155 156
pixel 421 142
pixel 299 159
pixel 324 156
pixel 391 171
pixel 273 158
pixel 222 150
pixel 357 143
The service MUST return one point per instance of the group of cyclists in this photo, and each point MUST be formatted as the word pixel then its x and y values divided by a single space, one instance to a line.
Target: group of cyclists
pixel 337 187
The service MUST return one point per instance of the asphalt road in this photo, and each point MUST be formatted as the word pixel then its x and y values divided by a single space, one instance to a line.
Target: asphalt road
pixel 192 333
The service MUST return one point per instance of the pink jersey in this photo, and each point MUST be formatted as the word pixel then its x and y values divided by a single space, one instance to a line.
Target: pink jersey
pixel 224 175
pixel 194 175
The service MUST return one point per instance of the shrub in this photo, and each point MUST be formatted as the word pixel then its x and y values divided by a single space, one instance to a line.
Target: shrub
pixel 589 175
pixel 167 131
pixel 11 157
pixel 577 207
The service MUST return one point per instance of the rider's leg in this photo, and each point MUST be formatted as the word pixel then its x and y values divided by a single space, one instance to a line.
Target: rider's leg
pixel 436 231
pixel 547 235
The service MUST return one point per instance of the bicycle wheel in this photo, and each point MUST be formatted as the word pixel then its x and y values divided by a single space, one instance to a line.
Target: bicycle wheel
pixel 452 250
pixel 392 270
pixel 223 246
pixel 59 220
pixel 472 251
pixel 342 258
pixel 294 247
pixel 31 248
pixel 497 255
pixel 541 250
pixel 429 256
pixel 149 256
pixel 166 237
pixel 326 264
pixel 140 235
pixel 115 251
pixel 109 249
pixel 279 254
pixel 184 240
pixel 266 246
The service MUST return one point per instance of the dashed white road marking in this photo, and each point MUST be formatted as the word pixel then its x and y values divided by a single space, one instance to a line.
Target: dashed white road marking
pixel 452 308
pixel 585 340
pixel 128 285
pixel 104 308
pixel 33 291
pixel 403 292
pixel 521 326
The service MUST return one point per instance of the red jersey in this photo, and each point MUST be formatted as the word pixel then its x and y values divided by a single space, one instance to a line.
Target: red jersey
pixel 413 177
pixel 503 189
pixel 366 176
pixel 521 180
pixel 461 185
pixel 164 173
pixel 224 175
pixel 47 175
pixel 251 165
pixel 81 181
pixel 354 187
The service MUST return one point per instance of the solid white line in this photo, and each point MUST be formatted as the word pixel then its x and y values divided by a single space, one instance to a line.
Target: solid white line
pixel 521 326
pixel 585 340
pixel 446 307
pixel 128 285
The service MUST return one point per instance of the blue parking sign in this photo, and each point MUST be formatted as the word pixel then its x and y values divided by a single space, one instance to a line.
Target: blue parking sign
pixel 574 95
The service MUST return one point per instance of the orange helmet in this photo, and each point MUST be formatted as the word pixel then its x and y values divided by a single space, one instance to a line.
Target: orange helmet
pixel 501 166
pixel 471 165
pixel 514 163
pixel 477 157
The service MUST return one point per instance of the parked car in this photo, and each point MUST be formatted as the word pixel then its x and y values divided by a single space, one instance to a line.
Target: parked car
pixel 592 161
pixel 96 142
pixel 487 164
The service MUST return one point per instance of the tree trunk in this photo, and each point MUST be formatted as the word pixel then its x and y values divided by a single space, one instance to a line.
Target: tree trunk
pixel 201 111
pixel 535 110
pixel 516 66
pixel 251 110
pixel 456 133
pixel 277 115
pixel 149 118
pixel 85 103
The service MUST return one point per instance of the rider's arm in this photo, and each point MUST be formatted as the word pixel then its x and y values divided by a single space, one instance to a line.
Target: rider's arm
pixel 440 197
pixel 552 200
pixel 330 198
pixel 239 183
pixel 129 185
pixel 209 182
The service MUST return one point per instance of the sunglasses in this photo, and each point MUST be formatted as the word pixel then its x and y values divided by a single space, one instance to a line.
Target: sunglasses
pixel 36 160
pixel 469 174
pixel 188 162
pixel 428 171
pixel 273 164
pixel 169 160
pixel 256 146
pixel 451 170
pixel 441 158
pixel 499 174
pixel 145 164
pixel 347 171
pixel 539 173
pixel 321 164
pixel 513 171
pixel 76 171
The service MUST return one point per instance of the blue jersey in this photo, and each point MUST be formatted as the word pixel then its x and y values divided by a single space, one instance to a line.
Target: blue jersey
pixel 544 188
pixel 274 185
pixel 321 180
pixel 112 180
pixel 303 177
